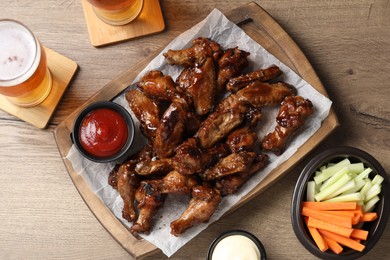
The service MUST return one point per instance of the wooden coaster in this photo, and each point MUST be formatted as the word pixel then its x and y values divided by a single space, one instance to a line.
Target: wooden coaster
pixel 148 22
pixel 62 70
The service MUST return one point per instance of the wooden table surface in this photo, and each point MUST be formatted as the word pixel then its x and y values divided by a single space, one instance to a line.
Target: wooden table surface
pixel 42 215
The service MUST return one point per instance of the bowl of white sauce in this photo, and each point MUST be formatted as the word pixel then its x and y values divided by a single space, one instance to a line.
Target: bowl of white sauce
pixel 236 244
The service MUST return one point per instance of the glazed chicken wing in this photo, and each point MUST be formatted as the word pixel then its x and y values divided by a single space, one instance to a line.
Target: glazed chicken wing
pixel 146 111
pixel 242 139
pixel 169 133
pixel 292 114
pixel 231 64
pixel 235 84
pixel 158 86
pixel 154 167
pixel 234 163
pixel 148 204
pixel 202 205
pixel 190 158
pixel 229 114
pixel 174 183
pixel 199 83
pixel 260 94
pixel 127 183
pixel 201 48
pixel 231 183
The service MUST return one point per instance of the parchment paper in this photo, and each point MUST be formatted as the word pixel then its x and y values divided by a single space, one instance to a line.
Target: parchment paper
pixel 217 27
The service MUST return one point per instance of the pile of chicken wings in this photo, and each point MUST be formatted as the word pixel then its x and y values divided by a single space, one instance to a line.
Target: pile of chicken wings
pixel 201 132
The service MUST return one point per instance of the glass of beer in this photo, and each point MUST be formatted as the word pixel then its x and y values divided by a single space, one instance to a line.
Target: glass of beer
pixel 25 79
pixel 117 12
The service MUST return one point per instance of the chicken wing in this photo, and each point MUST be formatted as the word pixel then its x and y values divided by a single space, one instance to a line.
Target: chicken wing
pixel 190 158
pixel 201 48
pixel 237 83
pixel 260 94
pixel 156 85
pixel 127 183
pixel 169 133
pixel 242 139
pixel 199 82
pixel 174 183
pixel 154 167
pixel 234 163
pixel 146 111
pixel 231 183
pixel 231 64
pixel 229 114
pixel 202 206
pixel 292 114
pixel 148 204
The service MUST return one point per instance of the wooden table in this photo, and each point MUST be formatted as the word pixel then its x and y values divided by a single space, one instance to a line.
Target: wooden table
pixel 43 216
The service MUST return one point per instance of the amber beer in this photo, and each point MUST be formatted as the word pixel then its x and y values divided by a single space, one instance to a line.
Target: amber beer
pixel 117 12
pixel 25 79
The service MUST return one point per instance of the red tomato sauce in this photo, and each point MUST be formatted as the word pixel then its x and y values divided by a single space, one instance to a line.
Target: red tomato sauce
pixel 103 132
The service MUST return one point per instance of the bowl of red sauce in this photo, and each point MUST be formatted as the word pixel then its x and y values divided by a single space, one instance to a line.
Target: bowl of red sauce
pixel 103 132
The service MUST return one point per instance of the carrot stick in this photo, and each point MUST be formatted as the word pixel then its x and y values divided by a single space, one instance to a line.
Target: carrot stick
pixel 345 241
pixel 330 205
pixel 356 219
pixel 359 234
pixel 343 231
pixel 318 239
pixel 324 216
pixel 333 245
pixel 344 213
pixel 371 216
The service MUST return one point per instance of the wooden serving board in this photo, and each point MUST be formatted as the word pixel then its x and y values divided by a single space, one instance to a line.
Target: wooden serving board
pixel 259 25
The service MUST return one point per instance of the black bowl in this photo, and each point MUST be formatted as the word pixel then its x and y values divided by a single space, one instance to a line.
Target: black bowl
pixel 241 233
pixel 123 153
pixel 375 228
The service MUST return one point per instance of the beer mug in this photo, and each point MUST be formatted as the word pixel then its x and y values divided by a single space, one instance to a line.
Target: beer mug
pixel 25 79
pixel 117 12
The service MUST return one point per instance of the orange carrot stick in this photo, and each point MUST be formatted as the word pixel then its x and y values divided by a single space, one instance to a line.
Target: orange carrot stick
pixel 343 231
pixel 344 213
pixel 345 241
pixel 359 234
pixel 371 216
pixel 330 205
pixel 325 216
pixel 333 245
pixel 318 239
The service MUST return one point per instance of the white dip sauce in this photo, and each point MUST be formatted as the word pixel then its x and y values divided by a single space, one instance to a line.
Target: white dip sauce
pixel 236 247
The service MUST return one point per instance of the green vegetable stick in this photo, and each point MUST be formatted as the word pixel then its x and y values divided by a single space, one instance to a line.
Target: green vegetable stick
pixel 351 184
pixel 337 185
pixel 356 167
pixel 329 171
pixel 364 174
pixel 358 186
pixel 375 190
pixel 369 206
pixel 377 180
pixel 311 189
pixel 334 178
pixel 366 187
pixel 347 198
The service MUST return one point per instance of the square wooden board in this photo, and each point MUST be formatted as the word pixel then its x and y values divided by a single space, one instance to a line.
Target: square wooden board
pixel 62 70
pixel 148 22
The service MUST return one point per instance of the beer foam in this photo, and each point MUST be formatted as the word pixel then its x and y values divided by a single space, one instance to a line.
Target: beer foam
pixel 19 49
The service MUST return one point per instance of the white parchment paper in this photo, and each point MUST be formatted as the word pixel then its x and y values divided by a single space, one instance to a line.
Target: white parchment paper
pixel 217 27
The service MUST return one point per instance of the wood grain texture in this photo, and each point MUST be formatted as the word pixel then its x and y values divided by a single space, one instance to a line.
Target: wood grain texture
pixel 263 29
pixel 42 214
pixel 149 21
pixel 62 70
